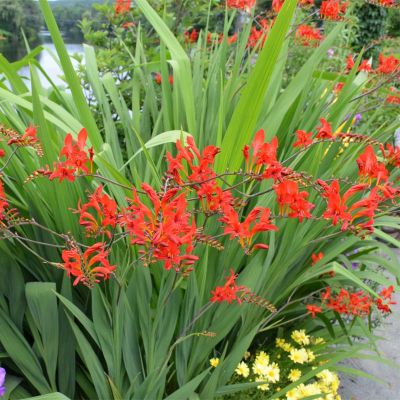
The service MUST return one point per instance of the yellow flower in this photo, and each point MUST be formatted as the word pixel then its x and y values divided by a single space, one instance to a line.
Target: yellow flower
pixel 271 372
pixel 308 390
pixel 292 394
pixel 279 342
pixel 326 376
pixel 294 375
pixel 214 362
pixel 299 356
pixel 311 355
pixel 287 347
pixel 242 369
pixel 265 386
pixel 261 363
pixel 300 337
pixel 319 340
pixel 262 357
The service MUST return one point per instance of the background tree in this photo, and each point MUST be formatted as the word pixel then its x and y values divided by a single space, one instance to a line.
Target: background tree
pixel 17 16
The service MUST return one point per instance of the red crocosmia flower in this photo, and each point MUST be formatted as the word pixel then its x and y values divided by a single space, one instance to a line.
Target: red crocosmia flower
pixel 191 35
pixel 392 155
pixel 228 292
pixel 345 302
pixel 365 66
pixel 3 201
pixel 76 158
pixel 369 167
pixel 2 152
pixel 348 303
pixel 338 87
pixel 292 201
pixel 349 62
pixel 127 25
pixel 304 139
pixel 28 139
pixel 257 37
pixel 387 65
pixel 158 78
pixel 286 192
pixel 89 266
pixel 337 209
pixel 324 130
pixel 308 36
pixel 166 230
pixel 300 207
pixel 277 5
pixel 306 3
pixel 122 6
pixel 232 39
pixel 394 98
pixel 245 5
pixel 384 302
pixel 316 257
pixel 263 155
pixel 258 220
pixel 313 310
pixel 333 10
pixel 105 213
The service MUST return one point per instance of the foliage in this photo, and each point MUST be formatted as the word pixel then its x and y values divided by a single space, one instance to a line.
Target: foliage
pixel 371 27
pixel 148 332
pixel 68 14
pixel 15 17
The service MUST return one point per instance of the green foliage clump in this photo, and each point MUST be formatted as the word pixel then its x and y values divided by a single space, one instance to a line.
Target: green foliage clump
pixel 371 27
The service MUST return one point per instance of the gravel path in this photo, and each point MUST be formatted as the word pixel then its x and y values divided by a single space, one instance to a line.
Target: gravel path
pixel 358 388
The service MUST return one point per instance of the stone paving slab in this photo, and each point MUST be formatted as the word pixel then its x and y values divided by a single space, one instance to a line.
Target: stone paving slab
pixel 359 388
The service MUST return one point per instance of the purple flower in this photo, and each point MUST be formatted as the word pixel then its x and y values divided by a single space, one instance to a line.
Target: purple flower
pixel 2 380
pixel 330 53
pixel 357 118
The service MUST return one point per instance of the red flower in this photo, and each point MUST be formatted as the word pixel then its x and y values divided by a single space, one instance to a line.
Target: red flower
pixel 365 66
pixel 304 139
pixel 387 65
pixel 3 201
pixel 2 152
pixel 338 87
pixel 392 156
pixel 122 6
pixel 333 10
pixel 258 220
pixel 369 167
pixel 308 36
pixel 317 257
pixel 228 292
pixel 158 79
pixel 324 130
pixel 277 5
pixel 385 301
pixel 290 199
pixel 76 158
pixel 313 310
pixel 393 98
pixel 165 230
pixel 245 5
pixel 349 62
pixel 127 25
pixel 263 154
pixel 29 138
pixel 337 209
pixel 89 266
pixel 105 210
pixel 191 35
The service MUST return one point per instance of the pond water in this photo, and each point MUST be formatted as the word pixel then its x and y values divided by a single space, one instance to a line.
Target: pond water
pixel 49 64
